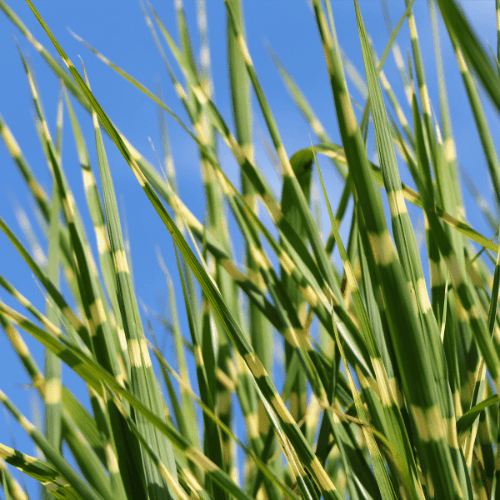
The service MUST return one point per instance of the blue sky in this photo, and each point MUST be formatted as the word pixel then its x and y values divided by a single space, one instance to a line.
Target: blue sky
pixel 118 30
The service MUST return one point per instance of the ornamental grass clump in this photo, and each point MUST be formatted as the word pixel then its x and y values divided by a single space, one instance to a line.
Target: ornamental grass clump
pixel 390 366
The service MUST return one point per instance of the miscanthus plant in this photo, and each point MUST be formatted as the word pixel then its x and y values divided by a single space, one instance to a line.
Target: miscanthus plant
pixel 391 373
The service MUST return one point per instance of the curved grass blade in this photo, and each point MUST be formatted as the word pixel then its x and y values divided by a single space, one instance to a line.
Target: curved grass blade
pixel 143 380
pixel 411 354
pixel 480 119
pixel 414 197
pixel 245 349
pixel 167 193
pixel 52 454
pixel 217 222
pixel 252 361
pixel 40 196
pixel 94 375
pixel 258 325
pixel 474 53
pixel 186 413
pixel 88 458
pixel 323 262
pixel 246 165
pixel 100 341
pixel 43 472
pixel 226 430
pixel 103 246
pixel 469 418
pixel 213 444
pixel 388 397
pixel 410 260
pixel 302 163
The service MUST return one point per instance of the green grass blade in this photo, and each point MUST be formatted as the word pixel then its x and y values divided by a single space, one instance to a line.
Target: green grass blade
pixel 474 53
pixel 204 355
pixel 386 488
pixel 43 472
pixel 12 488
pixel 408 252
pixel 187 413
pixel 52 454
pixel 421 396
pixel 104 250
pixel 258 325
pixel 94 375
pixel 53 383
pixel 142 376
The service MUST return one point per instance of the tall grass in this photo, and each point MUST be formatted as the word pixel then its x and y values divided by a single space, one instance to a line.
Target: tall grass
pixel 390 378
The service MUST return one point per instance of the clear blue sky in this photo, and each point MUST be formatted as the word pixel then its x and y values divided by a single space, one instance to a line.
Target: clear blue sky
pixel 118 30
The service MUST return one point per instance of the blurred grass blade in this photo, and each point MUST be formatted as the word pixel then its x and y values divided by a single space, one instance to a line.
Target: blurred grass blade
pixel 43 472
pixel 476 56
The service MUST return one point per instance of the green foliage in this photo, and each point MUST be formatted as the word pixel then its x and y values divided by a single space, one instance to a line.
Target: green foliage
pixel 391 393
